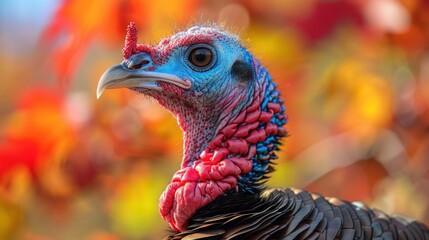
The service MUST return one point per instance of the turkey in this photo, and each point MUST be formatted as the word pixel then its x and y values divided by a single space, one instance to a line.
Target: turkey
pixel 233 118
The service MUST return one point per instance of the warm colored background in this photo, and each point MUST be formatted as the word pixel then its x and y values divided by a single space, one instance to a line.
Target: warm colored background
pixel 355 76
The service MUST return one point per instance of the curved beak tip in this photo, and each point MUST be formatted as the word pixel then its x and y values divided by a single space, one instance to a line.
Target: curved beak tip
pixel 108 78
pixel 99 92
pixel 100 88
pixel 102 85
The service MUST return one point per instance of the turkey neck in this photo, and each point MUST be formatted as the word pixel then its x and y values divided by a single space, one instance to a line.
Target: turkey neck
pixel 197 129
pixel 235 155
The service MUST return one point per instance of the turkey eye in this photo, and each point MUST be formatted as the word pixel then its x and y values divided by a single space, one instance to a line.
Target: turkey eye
pixel 200 57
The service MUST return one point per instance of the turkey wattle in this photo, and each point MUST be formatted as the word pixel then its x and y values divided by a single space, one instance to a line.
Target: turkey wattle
pixel 232 117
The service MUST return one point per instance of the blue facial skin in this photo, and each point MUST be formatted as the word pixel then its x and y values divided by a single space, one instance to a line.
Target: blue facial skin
pixel 231 71
pixel 214 83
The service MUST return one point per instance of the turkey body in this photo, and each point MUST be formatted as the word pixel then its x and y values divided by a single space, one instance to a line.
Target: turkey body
pixel 295 214
pixel 233 118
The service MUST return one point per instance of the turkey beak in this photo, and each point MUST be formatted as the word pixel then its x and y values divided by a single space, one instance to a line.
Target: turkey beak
pixel 119 76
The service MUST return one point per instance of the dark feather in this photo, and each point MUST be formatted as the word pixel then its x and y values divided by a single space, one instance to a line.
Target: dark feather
pixel 295 214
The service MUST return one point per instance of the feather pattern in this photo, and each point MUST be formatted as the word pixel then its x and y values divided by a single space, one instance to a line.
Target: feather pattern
pixel 233 119
pixel 295 214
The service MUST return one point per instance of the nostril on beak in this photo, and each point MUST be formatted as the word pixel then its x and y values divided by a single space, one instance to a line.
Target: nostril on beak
pixel 137 61
pixel 139 65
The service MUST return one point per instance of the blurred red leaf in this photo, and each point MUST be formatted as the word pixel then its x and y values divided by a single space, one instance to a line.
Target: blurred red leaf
pixel 36 132
pixel 18 152
pixel 326 16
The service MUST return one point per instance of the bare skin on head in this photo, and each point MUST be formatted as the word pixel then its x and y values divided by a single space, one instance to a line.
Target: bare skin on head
pixel 233 118
pixel 221 128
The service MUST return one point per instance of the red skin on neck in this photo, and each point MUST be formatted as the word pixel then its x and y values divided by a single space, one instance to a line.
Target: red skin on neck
pixel 227 156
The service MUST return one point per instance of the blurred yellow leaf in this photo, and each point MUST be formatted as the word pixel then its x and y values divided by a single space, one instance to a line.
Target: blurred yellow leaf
pixel 134 209
pixel 10 219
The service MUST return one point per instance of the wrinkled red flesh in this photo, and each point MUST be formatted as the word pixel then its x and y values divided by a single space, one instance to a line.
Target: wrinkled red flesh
pixel 218 167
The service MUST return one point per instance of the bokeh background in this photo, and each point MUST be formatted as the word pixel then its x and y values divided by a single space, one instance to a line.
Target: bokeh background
pixel 354 73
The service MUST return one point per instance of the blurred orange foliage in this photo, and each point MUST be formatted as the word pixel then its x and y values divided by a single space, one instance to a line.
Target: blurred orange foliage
pixel 354 75
pixel 78 22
